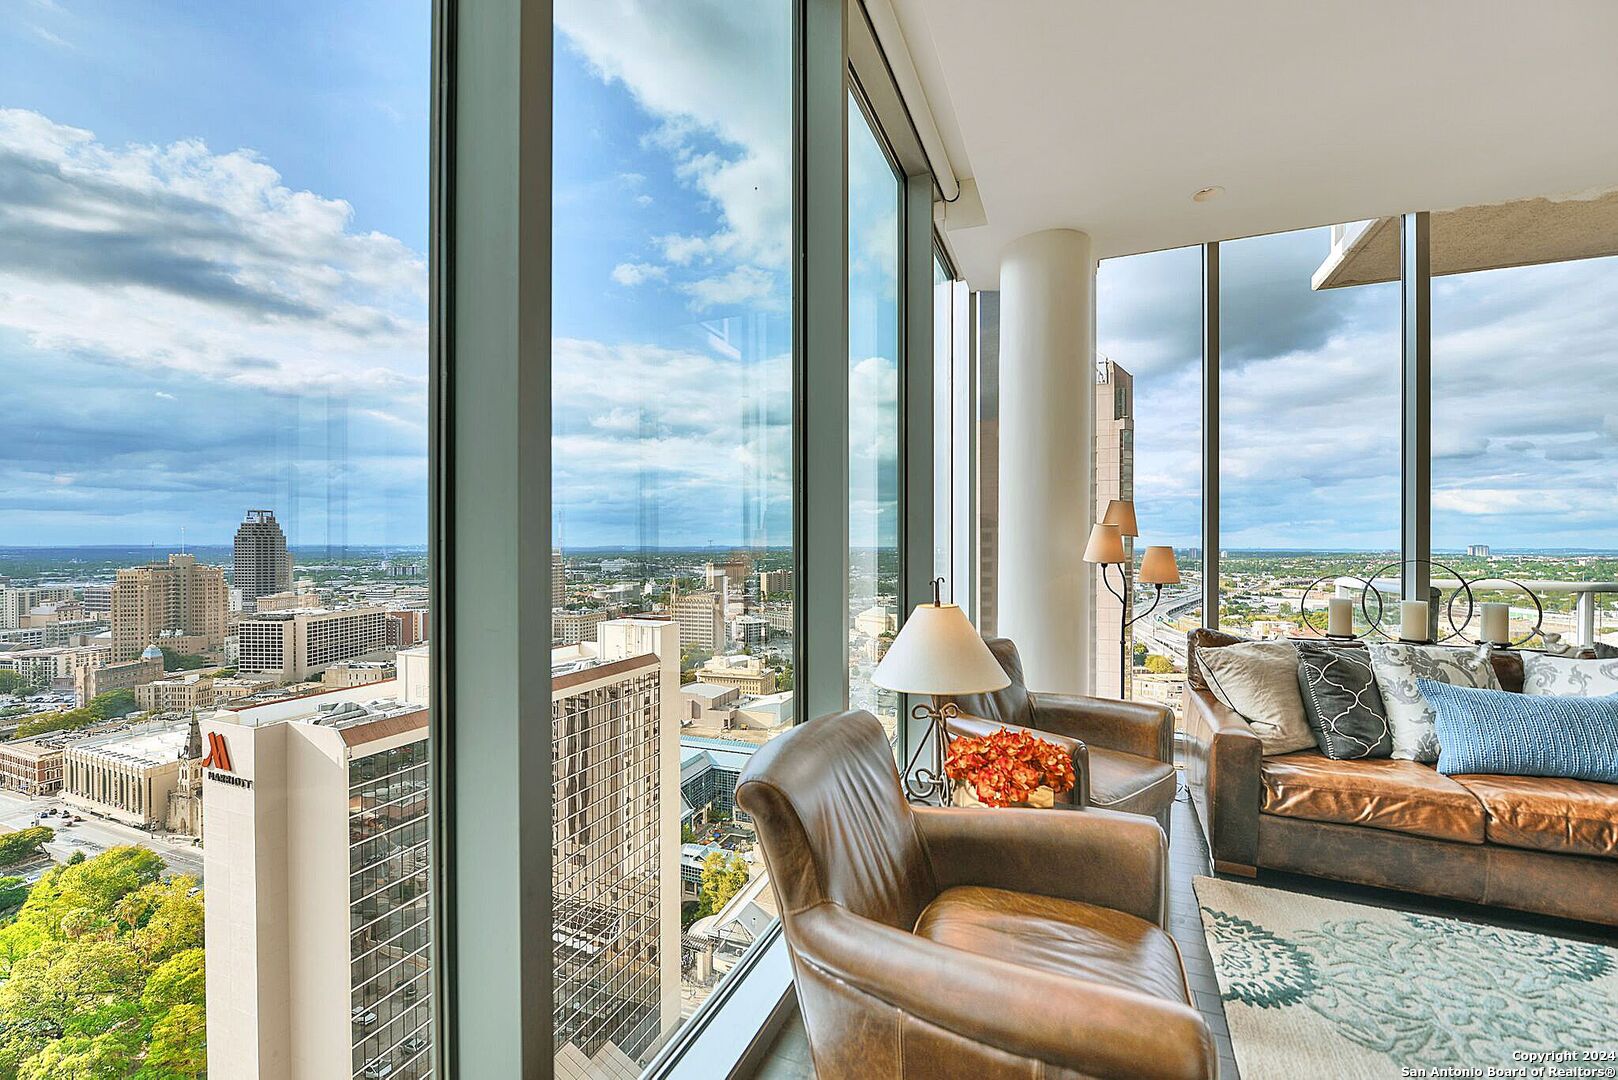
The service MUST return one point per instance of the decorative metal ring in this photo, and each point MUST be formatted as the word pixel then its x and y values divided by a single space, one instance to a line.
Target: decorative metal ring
pixel 1464 586
pixel 1303 604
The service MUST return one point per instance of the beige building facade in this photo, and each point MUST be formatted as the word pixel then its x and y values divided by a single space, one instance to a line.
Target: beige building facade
pixel 291 646
pixel 90 682
pixel 125 776
pixel 180 604
pixel 1114 479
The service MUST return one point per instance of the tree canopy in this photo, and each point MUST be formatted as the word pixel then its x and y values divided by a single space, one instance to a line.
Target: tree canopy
pixel 723 876
pixel 20 845
pixel 101 973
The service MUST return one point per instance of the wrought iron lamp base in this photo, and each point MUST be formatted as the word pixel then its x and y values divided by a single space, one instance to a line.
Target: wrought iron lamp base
pixel 924 784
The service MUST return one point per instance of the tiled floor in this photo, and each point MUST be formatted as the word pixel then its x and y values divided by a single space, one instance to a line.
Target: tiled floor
pixel 1188 856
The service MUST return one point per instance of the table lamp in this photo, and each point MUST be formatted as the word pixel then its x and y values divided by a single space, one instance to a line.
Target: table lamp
pixel 937 652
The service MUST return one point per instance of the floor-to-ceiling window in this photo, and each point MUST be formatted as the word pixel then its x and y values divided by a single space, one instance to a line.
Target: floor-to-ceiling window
pixel 1524 432
pixel 1148 449
pixel 874 197
pixel 1309 435
pixel 672 566
pixel 214 332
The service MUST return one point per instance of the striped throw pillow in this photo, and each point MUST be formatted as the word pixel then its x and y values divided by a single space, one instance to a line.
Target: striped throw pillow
pixel 1495 731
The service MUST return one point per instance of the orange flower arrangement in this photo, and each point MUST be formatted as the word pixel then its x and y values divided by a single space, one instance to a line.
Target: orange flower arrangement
pixel 1006 767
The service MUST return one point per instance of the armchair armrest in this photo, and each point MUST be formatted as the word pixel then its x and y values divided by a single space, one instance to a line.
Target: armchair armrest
pixel 852 971
pixel 1100 857
pixel 1132 727
pixel 1080 793
pixel 1223 762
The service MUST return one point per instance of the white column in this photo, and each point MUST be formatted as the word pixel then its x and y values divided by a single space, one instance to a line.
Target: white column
pixel 1047 439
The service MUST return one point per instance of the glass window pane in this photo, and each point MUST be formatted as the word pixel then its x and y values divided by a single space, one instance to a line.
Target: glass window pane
pixel 874 192
pixel 1525 438
pixel 672 402
pixel 1309 435
pixel 1149 449
pixel 213 560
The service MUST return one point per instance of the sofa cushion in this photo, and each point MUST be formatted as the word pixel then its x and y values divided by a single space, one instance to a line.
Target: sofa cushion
pixel 1397 668
pixel 1259 681
pixel 1197 640
pixel 1543 675
pixel 1129 782
pixel 1382 793
pixel 1061 936
pixel 1491 731
pixel 1576 817
pixel 1341 702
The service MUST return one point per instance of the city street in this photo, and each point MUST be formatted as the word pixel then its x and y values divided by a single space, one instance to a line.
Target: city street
pixel 94 835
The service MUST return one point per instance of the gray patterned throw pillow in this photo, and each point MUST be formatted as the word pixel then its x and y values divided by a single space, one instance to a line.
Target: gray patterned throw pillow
pixel 1341 702
pixel 1565 676
pixel 1397 667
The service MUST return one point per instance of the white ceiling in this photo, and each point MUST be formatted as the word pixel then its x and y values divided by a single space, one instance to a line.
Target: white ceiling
pixel 1106 116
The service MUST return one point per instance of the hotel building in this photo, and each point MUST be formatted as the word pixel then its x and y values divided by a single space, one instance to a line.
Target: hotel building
pixel 317 900
pixel 180 603
pixel 293 645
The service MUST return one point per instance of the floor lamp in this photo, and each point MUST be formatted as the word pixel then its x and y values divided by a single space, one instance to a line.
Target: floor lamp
pixel 1157 568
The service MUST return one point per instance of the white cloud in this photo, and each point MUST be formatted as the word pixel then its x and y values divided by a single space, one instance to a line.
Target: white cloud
pixel 176 257
pixel 743 285
pixel 636 273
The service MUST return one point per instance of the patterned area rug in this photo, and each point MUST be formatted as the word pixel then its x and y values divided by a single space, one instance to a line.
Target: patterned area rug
pixel 1323 988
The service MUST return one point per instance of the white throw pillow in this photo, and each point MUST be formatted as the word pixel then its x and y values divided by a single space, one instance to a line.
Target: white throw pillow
pixel 1259 680
pixel 1568 677
pixel 1398 666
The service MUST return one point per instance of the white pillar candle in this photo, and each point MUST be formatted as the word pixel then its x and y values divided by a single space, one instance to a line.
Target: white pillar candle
pixel 1496 623
pixel 1340 616
pixel 1413 620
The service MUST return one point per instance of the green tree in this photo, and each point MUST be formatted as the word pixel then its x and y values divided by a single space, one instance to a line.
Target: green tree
pixel 1159 665
pixel 723 876
pixel 13 891
pixel 174 660
pixel 112 704
pixel 43 723
pixel 11 682
pixel 179 1044
pixel 24 844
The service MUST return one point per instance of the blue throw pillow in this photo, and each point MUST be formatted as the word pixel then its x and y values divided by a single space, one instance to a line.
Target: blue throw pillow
pixel 1495 731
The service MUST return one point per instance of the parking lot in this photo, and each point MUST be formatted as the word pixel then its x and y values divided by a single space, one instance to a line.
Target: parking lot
pixel 180 853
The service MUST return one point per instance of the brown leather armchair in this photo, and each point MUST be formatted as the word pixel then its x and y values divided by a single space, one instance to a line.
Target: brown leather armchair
pixel 944 942
pixel 1124 755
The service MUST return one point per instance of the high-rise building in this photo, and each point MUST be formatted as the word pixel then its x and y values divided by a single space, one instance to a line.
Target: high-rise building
pixel 1478 551
pixel 615 858
pixel 774 583
pixel 407 627
pixel 1114 479
pixel 702 620
pixel 318 887
pixel 558 580
pixel 181 602
pixel 17 601
pixel 292 645
pixel 263 564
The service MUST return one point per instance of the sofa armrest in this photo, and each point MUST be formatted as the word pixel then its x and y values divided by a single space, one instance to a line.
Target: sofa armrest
pixel 976 726
pixel 1223 762
pixel 854 973
pixel 1100 857
pixel 1132 727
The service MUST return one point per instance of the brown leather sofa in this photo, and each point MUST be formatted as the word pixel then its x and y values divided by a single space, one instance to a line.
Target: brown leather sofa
pixel 934 942
pixel 1123 751
pixel 1530 843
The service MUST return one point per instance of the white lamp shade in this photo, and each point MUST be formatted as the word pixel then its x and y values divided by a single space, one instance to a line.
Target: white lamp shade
pixel 1121 512
pixel 1106 544
pixel 938 651
pixel 1157 567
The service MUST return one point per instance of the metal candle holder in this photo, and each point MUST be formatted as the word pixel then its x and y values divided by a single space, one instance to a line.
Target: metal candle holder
pixel 1457 630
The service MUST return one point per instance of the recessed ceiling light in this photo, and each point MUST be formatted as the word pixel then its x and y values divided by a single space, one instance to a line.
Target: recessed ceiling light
pixel 1208 193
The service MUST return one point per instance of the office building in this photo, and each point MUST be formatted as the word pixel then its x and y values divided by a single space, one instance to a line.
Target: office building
pixel 291 646
pixel 90 682
pixel 179 602
pixel 1114 479
pixel 263 565
pixel 17 601
pixel 616 870
pixel 746 673
pixel 97 599
pixel 1478 551
pixel 331 977
pixel 31 767
pixel 407 627
pixel 774 583
pixel 352 673
pixel 558 580
pixel 572 627
pixel 189 691
pixel 284 601
pixel 702 620
pixel 749 631
pixel 53 666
